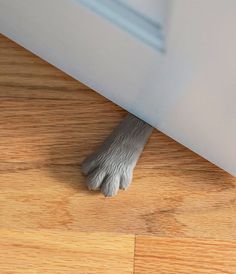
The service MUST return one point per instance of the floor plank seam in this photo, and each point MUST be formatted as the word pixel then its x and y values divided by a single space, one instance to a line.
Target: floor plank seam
pixel 135 235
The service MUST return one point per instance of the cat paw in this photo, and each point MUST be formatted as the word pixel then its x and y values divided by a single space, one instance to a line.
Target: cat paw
pixel 107 174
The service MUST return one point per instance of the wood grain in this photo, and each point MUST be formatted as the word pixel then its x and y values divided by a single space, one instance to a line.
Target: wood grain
pixel 55 197
pixel 48 123
pixel 183 256
pixel 65 252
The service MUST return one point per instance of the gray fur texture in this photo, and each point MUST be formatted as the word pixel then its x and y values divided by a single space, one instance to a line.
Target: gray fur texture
pixel 110 168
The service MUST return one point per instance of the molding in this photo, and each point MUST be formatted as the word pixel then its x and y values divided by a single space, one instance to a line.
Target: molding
pixel 125 17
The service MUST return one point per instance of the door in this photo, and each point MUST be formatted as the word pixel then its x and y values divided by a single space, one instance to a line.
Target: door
pixel 170 62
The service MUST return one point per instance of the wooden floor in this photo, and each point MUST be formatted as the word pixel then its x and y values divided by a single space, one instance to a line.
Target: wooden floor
pixel 179 215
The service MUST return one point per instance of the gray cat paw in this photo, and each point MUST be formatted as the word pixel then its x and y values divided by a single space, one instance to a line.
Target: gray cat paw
pixel 110 168
pixel 106 174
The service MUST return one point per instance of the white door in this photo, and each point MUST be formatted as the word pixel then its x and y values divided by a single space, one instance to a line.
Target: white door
pixel 170 62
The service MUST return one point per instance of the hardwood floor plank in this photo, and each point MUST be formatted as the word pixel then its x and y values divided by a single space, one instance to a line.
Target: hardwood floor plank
pixel 43 251
pixel 184 256
pixel 55 197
